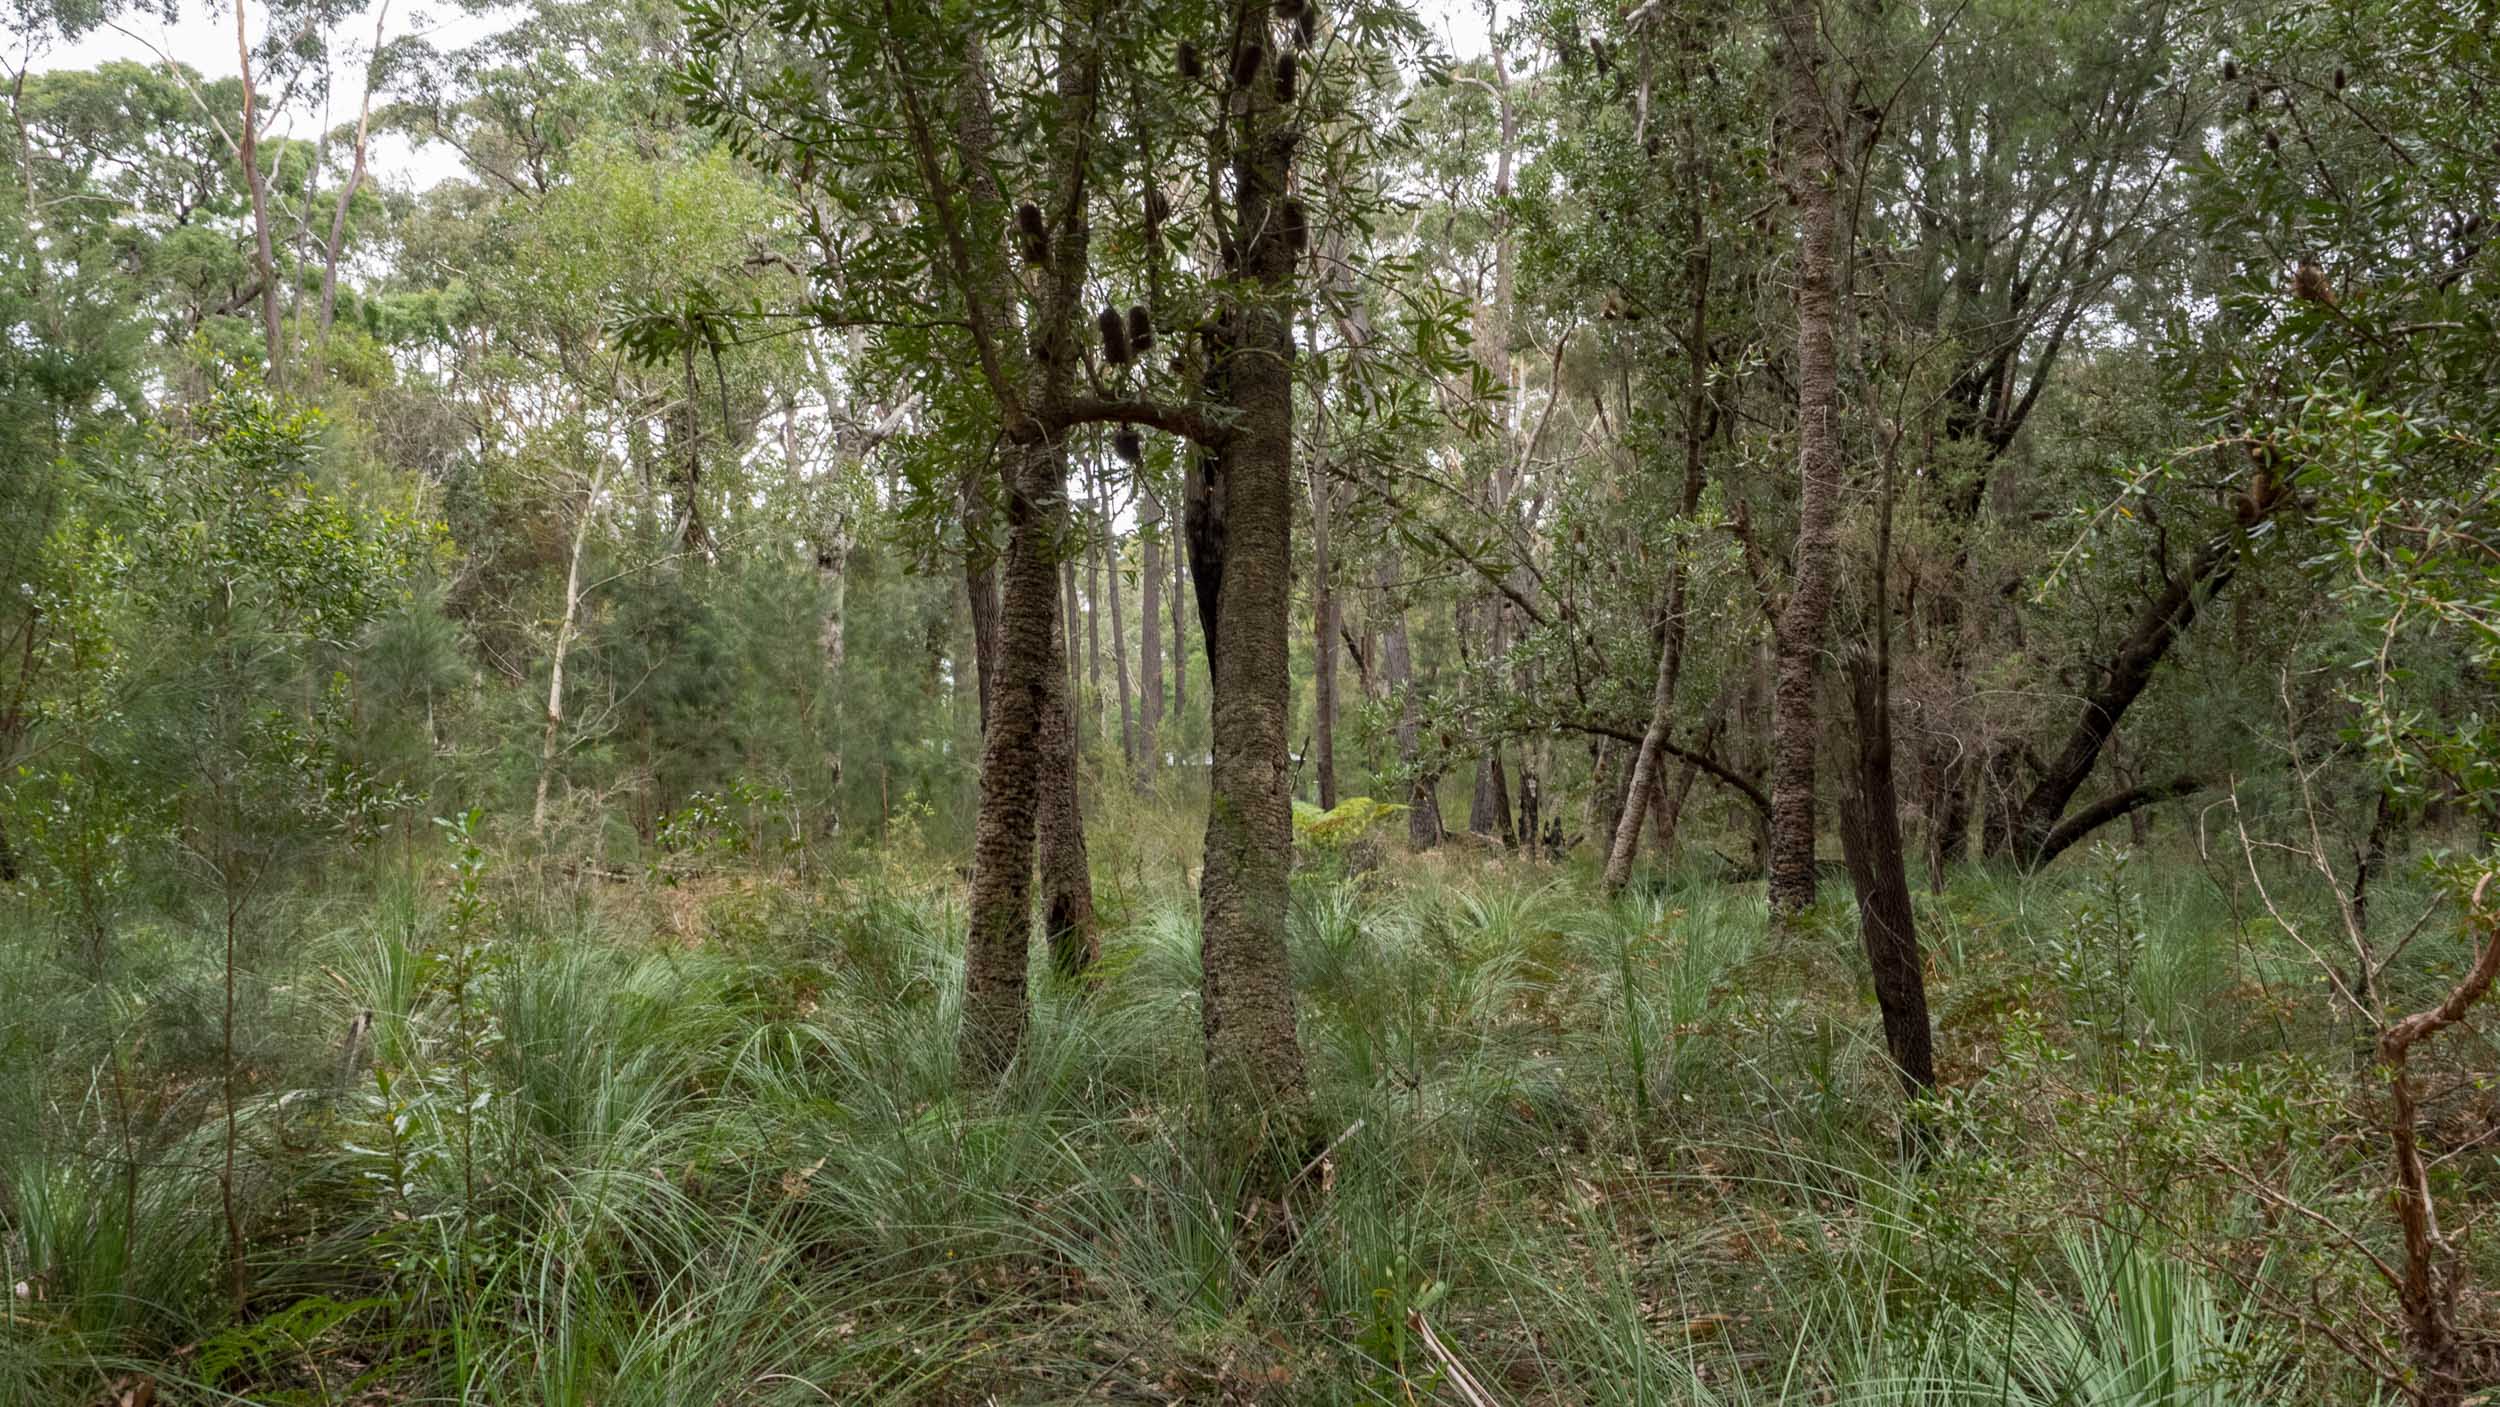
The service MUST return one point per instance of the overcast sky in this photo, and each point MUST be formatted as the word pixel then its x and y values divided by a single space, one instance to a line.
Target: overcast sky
pixel 202 36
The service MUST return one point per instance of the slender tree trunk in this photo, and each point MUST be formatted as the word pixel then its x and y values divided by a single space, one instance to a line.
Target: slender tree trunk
pixel 1180 631
pixel 1397 673
pixel 355 180
pixel 550 742
pixel 1794 726
pixel 1669 815
pixel 1150 635
pixel 1325 623
pixel 1119 631
pixel 1074 686
pixel 1675 628
pixel 263 251
pixel 686 440
pixel 1093 613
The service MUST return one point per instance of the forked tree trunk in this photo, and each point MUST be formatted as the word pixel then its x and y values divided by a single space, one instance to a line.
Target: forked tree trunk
pixel 1014 748
pixel 1795 731
pixel 355 180
pixel 1870 838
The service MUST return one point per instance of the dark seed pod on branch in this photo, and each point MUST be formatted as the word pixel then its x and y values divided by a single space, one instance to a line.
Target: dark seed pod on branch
pixel 1128 445
pixel 1191 66
pixel 1158 205
pixel 1246 61
pixel 1227 251
pixel 2252 100
pixel 1284 78
pixel 2230 71
pixel 1114 336
pixel 1141 329
pixel 2273 142
pixel 2339 78
pixel 1297 226
pixel 1306 26
pixel 1030 234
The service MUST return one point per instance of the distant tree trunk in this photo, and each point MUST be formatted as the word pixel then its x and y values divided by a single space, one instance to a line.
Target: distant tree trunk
pixel 355 180
pixel 1015 750
pixel 1794 728
pixel 1669 816
pixel 1609 781
pixel 1119 633
pixel 1180 631
pixel 1674 628
pixel 1150 635
pixel 550 742
pixel 1326 621
pixel 2036 835
pixel 264 253
pixel 1093 698
pixel 1256 1079
pixel 686 439
pixel 1397 673
pixel 1070 614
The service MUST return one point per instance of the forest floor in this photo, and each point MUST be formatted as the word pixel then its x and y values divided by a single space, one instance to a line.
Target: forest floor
pixel 613 1137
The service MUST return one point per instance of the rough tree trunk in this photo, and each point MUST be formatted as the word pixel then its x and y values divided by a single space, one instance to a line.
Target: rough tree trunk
pixel 1013 745
pixel 1255 1075
pixel 1794 726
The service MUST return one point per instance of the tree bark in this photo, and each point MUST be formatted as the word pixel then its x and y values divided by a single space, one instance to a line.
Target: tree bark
pixel 1255 1074
pixel 1019 732
pixel 1811 181
pixel 1870 838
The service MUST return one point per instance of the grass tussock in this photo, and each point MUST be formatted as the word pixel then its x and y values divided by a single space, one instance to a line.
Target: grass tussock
pixel 587 1141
